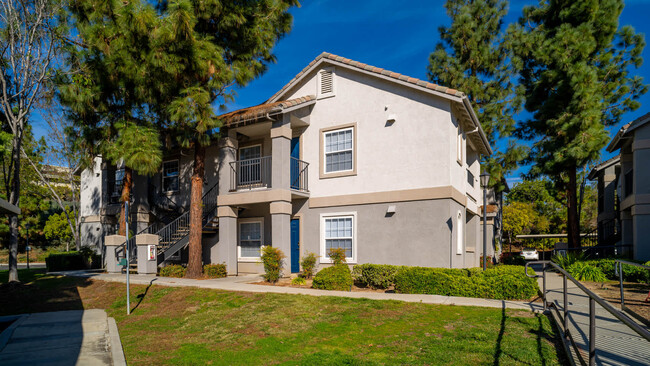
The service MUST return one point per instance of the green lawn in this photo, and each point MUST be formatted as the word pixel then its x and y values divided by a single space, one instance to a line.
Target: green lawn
pixel 189 326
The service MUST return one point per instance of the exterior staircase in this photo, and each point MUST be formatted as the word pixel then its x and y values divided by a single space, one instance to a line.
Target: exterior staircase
pixel 174 233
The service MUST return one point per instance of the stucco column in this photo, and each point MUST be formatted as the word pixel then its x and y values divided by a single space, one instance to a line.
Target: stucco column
pixel 281 156
pixel 147 253
pixel 227 154
pixel 226 250
pixel 281 230
pixel 641 227
pixel 111 242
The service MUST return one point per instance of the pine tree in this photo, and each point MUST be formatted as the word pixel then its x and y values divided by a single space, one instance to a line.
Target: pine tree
pixel 575 66
pixel 472 57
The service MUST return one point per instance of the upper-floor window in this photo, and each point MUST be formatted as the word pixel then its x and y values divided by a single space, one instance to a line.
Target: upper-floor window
pixel 170 176
pixel 116 185
pixel 629 183
pixel 339 148
pixel 326 83
pixel 459 146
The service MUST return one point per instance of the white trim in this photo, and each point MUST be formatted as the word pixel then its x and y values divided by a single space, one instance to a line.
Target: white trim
pixel 320 95
pixel 259 220
pixel 460 233
pixel 162 176
pixel 248 147
pixel 334 152
pixel 323 257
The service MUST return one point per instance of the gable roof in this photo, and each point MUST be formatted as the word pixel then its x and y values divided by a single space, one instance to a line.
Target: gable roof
pixel 243 116
pixel 625 130
pixel 603 165
pixel 462 104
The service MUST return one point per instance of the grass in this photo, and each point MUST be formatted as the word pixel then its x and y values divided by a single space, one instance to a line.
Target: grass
pixel 187 326
pixel 36 255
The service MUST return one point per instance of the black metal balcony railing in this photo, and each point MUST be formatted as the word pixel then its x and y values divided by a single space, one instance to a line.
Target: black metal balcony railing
pixel 256 173
pixel 629 178
pixel 299 175
pixel 250 173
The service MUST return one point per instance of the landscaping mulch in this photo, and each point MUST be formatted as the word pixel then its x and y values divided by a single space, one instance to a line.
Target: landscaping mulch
pixel 635 294
pixel 286 282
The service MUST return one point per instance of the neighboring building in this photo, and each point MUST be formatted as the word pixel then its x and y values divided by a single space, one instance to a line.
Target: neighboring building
pixel 624 191
pixel 346 155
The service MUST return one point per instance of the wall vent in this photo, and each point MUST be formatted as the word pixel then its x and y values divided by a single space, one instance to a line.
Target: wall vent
pixel 326 82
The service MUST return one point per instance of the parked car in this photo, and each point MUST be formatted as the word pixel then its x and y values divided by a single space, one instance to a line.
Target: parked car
pixel 530 254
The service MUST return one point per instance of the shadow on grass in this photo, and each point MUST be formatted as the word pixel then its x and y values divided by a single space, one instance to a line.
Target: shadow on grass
pixel 40 292
pixel 502 330
pixel 142 295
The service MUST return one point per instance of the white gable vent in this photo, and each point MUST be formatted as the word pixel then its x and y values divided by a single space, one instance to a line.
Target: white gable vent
pixel 326 83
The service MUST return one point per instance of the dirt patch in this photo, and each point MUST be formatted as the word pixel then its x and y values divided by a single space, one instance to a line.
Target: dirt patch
pixel 286 282
pixel 635 295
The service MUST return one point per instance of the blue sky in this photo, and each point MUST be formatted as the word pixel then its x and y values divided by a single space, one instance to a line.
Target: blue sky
pixel 394 35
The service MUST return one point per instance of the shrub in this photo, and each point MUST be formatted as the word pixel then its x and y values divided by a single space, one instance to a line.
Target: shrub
pixel 510 258
pixel 308 264
pixel 65 261
pixel 173 270
pixel 376 276
pixel 273 263
pixel 337 255
pixel 566 260
pixel 499 282
pixel 630 273
pixel 337 277
pixel 583 271
pixel 488 261
pixel 298 281
pixel 215 270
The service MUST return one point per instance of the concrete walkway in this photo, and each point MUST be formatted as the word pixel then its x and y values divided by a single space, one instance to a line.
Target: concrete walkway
pixel 616 344
pixel 244 284
pixel 75 337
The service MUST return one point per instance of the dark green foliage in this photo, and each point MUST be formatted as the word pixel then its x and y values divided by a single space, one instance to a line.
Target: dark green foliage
pixel 376 276
pixel 173 270
pixel 308 264
pixel 583 271
pixel 273 260
pixel 337 255
pixel 500 282
pixel 511 258
pixel 66 261
pixel 472 58
pixel 336 277
pixel 566 260
pixel 630 273
pixel 215 270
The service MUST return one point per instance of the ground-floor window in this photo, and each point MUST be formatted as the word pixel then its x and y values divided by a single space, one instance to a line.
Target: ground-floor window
pixel 338 231
pixel 251 235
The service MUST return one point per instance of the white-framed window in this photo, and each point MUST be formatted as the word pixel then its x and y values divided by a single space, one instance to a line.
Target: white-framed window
pixel 459 146
pixel 326 86
pixel 338 230
pixel 339 150
pixel 460 233
pixel 170 176
pixel 251 239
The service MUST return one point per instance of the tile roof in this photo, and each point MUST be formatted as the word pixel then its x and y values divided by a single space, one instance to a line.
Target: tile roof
pixel 255 112
pixel 376 70
pixel 628 127
pixel 603 165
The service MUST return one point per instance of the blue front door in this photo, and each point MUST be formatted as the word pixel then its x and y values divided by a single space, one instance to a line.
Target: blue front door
pixel 295 245
pixel 295 156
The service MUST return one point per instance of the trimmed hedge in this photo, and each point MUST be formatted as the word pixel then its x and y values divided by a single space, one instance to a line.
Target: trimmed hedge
pixel 375 276
pixel 70 261
pixel 337 277
pixel 173 270
pixel 500 282
pixel 215 270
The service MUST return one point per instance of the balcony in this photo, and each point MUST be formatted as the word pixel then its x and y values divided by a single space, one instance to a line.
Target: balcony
pixel 256 173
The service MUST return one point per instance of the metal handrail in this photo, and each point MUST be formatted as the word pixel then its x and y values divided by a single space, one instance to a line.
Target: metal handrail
pixel 300 179
pixel 618 270
pixel 593 299
pixel 250 173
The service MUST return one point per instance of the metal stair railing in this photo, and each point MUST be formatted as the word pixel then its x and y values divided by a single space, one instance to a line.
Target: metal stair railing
pixel 175 235
pixel 593 299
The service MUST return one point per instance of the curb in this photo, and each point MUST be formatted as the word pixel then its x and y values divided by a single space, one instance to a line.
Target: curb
pixel 7 333
pixel 117 352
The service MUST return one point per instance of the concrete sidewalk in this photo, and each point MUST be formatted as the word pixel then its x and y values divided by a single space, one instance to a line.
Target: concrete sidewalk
pixel 243 284
pixel 74 337
pixel 616 344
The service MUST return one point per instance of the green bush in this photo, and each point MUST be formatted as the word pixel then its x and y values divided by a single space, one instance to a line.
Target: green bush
pixel 499 282
pixel 215 270
pixel 376 276
pixel 273 263
pixel 583 271
pixel 308 264
pixel 298 281
pixel 630 273
pixel 511 258
pixel 66 261
pixel 174 270
pixel 337 255
pixel 566 260
pixel 336 277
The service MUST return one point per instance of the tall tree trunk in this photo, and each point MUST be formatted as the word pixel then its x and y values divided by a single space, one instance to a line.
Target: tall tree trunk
pixel 14 199
pixel 573 224
pixel 194 263
pixel 126 195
